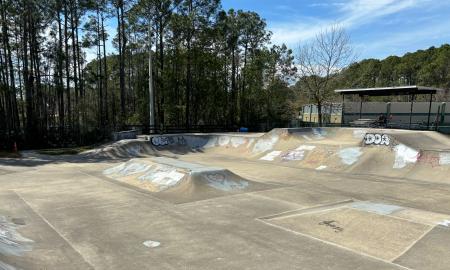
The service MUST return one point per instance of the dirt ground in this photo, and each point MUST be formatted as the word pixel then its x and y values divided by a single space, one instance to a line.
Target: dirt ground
pixel 289 199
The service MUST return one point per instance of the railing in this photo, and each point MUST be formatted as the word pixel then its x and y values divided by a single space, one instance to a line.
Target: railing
pixel 254 127
pixel 390 125
pixel 179 129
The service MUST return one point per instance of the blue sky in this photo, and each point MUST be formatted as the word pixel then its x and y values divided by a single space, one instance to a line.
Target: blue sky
pixel 378 28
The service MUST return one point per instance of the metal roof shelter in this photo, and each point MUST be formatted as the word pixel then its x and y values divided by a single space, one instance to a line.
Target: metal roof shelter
pixel 412 91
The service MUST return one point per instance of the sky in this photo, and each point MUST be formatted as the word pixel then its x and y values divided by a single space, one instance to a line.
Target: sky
pixel 378 28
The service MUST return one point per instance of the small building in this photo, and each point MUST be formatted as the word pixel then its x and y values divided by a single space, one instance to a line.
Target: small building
pixel 331 113
pixel 408 115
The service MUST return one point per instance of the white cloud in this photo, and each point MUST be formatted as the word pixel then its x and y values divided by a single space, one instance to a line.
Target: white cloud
pixel 351 14
pixel 358 12
pixel 294 32
pixel 326 4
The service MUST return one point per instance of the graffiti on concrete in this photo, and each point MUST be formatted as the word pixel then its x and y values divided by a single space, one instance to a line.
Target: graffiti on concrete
pixel 376 139
pixel 219 181
pixel 168 140
pixel 350 155
pixel 404 155
pixel 431 159
pixel 151 244
pixel 293 155
pixel 434 159
pixel 319 133
pixel 264 145
pixel 319 157
pixel 444 158
pixel 271 156
pixel 332 224
pixel 297 154
pixel 445 223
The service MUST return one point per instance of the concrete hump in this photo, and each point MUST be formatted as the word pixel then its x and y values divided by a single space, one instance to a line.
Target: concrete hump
pixel 178 181
pixel 121 149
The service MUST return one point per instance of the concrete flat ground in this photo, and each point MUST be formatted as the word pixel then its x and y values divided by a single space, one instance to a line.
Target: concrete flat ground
pixel 73 217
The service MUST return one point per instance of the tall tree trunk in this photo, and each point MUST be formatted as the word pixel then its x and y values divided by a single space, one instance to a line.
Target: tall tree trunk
pixel 105 72
pixel 189 71
pixel 4 85
pixel 27 77
pixel 41 108
pixel 12 86
pixel 19 72
pixel 233 88
pixel 67 64
pixel 161 68
pixel 243 97
pixel 101 105
pixel 122 44
pixel 60 73
pixel 73 27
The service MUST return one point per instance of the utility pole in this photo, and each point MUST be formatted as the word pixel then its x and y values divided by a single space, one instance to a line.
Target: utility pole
pixel 151 92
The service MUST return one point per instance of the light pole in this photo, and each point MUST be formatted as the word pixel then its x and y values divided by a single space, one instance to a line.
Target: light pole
pixel 151 92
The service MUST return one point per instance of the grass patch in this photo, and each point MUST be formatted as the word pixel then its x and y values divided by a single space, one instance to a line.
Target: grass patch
pixel 64 151
pixel 6 154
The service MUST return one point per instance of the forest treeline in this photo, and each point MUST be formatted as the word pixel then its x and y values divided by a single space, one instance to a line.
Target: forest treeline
pixel 210 67
pixel 61 83
pixel 430 67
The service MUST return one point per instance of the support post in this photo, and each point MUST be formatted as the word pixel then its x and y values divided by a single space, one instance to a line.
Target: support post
pixel 331 113
pixel 310 114
pixel 388 113
pixel 411 111
pixel 360 106
pixel 437 121
pixel 429 111
pixel 442 115
pixel 342 111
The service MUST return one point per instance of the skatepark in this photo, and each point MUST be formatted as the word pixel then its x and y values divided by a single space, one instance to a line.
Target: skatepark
pixel 306 198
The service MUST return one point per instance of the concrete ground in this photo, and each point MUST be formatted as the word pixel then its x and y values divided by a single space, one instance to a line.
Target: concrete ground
pixel 71 216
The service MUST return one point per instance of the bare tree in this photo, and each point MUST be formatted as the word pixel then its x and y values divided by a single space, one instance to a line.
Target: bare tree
pixel 320 60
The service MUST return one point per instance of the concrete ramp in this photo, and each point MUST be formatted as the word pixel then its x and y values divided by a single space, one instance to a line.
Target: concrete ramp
pixel 393 153
pixel 421 155
pixel 179 182
pixel 424 140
